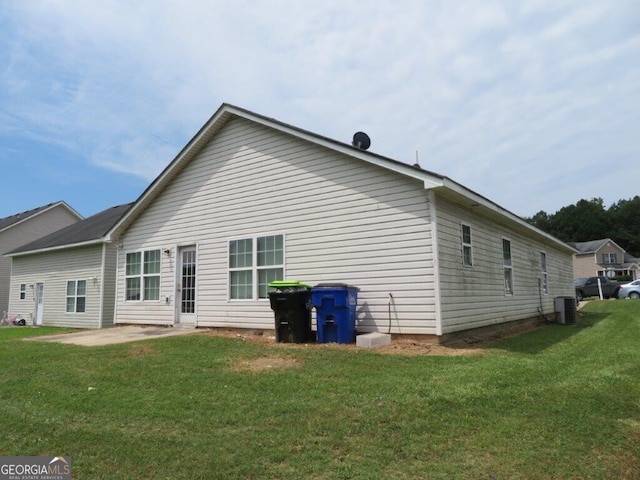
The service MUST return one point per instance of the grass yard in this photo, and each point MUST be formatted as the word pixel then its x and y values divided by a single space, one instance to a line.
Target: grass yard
pixel 560 402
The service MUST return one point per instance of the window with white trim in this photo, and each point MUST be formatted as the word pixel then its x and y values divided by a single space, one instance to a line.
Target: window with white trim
pixel 467 259
pixel 76 296
pixel 609 258
pixel 544 278
pixel 142 275
pixel 254 263
pixel 23 291
pixel 507 266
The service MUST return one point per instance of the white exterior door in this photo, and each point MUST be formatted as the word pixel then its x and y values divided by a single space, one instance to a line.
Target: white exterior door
pixel 187 287
pixel 39 302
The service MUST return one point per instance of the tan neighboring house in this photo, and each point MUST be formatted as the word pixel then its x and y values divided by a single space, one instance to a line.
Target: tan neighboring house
pixel 250 200
pixel 604 258
pixel 67 278
pixel 26 227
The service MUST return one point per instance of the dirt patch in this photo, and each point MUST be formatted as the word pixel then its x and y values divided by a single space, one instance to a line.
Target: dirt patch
pixel 397 347
pixel 412 347
pixel 263 364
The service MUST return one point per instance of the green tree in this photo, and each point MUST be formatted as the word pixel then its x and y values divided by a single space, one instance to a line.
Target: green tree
pixel 541 220
pixel 590 220
pixel 625 216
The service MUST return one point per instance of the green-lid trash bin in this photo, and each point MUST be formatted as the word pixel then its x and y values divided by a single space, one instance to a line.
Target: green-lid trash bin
pixel 291 303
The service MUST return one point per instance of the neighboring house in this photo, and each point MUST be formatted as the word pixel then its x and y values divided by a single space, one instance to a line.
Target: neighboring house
pixel 250 200
pixel 67 278
pixel 25 227
pixel 603 257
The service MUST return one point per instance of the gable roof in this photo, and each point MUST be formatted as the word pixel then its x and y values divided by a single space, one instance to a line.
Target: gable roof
pixel 89 231
pixel 12 220
pixel 593 246
pixel 631 259
pixel 431 180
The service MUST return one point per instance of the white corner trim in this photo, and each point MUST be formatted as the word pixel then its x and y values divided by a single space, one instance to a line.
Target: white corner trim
pixel 436 263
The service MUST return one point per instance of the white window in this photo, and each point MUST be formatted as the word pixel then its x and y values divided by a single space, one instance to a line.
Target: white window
pixel 544 274
pixel 467 259
pixel 609 258
pixel 23 291
pixel 76 296
pixel 507 266
pixel 253 264
pixel 142 274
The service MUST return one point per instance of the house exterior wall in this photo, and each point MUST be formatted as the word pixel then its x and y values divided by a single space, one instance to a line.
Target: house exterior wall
pixel 343 221
pixel 593 264
pixel 109 265
pixel 474 296
pixel 14 236
pixel 609 248
pixel 585 266
pixel 54 269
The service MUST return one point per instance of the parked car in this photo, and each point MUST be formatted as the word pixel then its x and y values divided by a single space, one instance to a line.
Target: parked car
pixel 588 287
pixel 630 290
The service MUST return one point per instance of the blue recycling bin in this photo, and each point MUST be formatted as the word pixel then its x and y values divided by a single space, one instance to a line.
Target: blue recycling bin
pixel 335 305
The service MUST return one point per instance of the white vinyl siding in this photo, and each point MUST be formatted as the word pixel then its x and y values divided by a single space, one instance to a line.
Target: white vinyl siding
pixel 109 265
pixel 475 297
pixel 18 234
pixel 55 270
pixel 344 221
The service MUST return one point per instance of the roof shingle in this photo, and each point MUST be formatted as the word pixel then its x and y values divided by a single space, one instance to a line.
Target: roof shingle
pixel 19 217
pixel 91 228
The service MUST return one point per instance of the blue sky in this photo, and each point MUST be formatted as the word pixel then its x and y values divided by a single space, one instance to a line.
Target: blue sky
pixel 533 104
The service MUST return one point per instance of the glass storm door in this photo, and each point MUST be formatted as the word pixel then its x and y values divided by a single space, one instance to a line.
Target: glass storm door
pixel 187 286
pixel 39 302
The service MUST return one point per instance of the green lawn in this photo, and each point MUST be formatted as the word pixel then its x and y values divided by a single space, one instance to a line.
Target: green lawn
pixel 561 402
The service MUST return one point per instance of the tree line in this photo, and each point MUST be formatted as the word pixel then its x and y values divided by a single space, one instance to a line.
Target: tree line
pixel 590 220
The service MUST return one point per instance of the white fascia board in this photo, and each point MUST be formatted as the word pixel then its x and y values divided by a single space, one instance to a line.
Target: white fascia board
pixel 188 151
pixel 495 208
pixel 229 111
pixel 71 209
pixel 57 248
pixel 364 155
pixel 430 181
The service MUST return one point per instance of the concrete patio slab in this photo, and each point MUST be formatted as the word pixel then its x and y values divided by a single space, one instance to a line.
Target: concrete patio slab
pixel 109 336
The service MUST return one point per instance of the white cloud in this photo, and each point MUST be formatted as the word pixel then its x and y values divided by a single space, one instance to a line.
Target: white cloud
pixel 523 102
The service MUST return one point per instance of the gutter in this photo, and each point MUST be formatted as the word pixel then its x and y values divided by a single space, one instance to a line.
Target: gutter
pixel 58 248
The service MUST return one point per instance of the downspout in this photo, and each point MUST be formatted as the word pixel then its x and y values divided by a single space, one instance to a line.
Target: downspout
pixel 389 302
pixel 436 264
pixel 117 280
pixel 102 274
